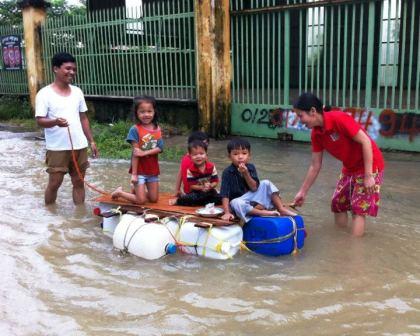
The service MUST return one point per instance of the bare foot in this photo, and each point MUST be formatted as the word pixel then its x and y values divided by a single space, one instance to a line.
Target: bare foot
pixel 259 207
pixel 286 212
pixel 270 213
pixel 116 193
pixel 173 201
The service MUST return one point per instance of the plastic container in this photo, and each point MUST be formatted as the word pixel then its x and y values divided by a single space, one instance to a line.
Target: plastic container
pixel 274 236
pixel 108 223
pixel 145 240
pixel 221 242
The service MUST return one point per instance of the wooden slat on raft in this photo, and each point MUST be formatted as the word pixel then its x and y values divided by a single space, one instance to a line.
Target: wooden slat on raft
pixel 163 208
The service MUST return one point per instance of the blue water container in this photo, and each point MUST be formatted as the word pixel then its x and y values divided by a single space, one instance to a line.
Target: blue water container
pixel 274 236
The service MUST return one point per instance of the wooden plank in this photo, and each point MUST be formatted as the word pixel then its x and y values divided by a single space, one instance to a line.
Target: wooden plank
pixel 163 209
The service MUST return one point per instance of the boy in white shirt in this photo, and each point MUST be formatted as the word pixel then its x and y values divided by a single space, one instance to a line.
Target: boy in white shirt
pixel 60 107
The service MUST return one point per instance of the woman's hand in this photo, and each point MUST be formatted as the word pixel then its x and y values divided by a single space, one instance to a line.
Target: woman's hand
pixel 299 198
pixel 369 183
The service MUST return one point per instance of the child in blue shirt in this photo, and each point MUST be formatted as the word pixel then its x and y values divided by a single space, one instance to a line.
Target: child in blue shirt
pixel 241 190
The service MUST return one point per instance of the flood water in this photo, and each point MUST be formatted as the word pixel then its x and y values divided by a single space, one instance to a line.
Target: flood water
pixel 61 276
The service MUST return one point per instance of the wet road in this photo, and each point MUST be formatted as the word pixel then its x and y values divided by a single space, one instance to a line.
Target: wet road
pixel 61 276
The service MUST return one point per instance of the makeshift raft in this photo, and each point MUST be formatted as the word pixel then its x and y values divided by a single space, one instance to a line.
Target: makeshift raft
pixel 130 227
pixel 161 209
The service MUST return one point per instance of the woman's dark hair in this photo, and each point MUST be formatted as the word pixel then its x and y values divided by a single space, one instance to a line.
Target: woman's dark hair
pixel 306 101
pixel 238 143
pixel 196 144
pixel 62 57
pixel 198 135
pixel 145 99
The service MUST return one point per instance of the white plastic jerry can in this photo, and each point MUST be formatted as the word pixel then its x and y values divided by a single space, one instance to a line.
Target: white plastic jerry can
pixel 145 240
pixel 221 242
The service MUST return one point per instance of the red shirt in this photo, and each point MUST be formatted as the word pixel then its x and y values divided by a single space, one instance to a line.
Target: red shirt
pixel 148 139
pixel 336 137
pixel 196 176
pixel 185 163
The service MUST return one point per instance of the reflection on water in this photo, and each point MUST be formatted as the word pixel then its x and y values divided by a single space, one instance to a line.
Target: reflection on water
pixel 60 274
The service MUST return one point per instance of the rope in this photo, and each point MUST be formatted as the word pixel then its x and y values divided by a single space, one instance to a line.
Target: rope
pixel 79 173
pixel 217 248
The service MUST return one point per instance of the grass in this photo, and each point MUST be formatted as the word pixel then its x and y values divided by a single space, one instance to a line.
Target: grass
pixel 110 139
pixel 15 108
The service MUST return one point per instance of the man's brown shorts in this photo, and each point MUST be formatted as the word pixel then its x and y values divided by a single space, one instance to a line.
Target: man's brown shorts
pixel 62 161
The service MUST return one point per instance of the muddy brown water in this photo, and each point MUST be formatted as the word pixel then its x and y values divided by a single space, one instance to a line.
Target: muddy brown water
pixel 61 276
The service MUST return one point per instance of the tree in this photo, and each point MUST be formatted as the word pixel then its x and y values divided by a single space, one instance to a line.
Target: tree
pixel 60 8
pixel 10 13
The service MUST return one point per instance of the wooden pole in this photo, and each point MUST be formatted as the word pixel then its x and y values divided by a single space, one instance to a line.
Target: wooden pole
pixel 34 14
pixel 213 66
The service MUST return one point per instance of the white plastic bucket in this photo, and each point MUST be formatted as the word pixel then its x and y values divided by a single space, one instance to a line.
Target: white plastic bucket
pixel 145 240
pixel 221 242
pixel 108 223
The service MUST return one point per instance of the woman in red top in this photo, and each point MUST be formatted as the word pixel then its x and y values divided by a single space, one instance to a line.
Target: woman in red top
pixel 339 134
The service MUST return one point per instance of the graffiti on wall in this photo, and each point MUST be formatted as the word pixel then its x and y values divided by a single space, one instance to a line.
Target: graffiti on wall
pixel 388 124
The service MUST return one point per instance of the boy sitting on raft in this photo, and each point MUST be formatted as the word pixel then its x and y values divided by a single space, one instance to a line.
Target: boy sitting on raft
pixel 202 179
pixel 181 179
pixel 242 192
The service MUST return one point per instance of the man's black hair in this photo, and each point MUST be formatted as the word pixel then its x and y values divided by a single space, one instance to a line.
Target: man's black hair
pixel 62 57
pixel 238 143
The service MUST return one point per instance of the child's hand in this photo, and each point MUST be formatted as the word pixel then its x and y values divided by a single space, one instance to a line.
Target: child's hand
pixel 134 180
pixel 242 168
pixel 228 216
pixel 207 186
pixel 138 152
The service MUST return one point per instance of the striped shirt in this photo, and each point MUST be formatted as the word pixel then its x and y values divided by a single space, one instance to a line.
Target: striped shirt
pixel 195 176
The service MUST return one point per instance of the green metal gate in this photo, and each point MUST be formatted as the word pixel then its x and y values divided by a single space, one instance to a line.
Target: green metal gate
pixel 361 56
pixel 123 52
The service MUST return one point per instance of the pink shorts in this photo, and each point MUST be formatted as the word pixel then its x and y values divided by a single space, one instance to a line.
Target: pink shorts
pixel 349 195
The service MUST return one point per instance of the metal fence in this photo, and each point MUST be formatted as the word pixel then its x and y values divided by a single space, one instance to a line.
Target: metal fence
pixel 123 52
pixel 13 82
pixel 351 54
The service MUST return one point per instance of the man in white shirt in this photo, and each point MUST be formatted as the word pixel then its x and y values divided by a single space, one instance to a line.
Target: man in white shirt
pixel 61 109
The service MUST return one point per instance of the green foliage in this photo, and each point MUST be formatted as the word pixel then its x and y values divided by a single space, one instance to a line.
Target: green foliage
pixel 11 14
pixel 110 139
pixel 60 8
pixel 15 108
